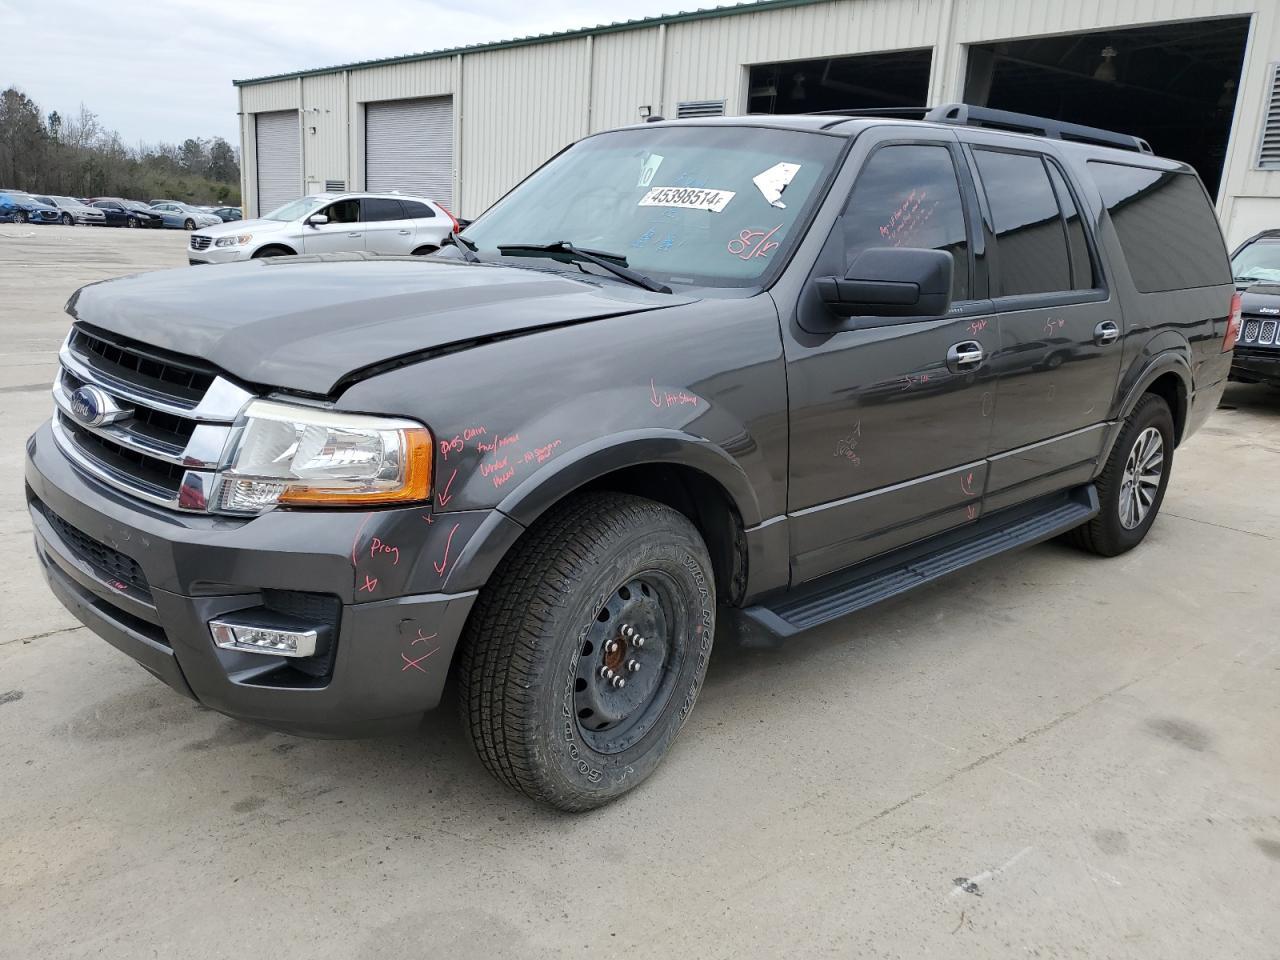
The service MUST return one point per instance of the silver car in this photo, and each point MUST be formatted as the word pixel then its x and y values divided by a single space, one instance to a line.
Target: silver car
pixel 73 211
pixel 387 223
pixel 183 216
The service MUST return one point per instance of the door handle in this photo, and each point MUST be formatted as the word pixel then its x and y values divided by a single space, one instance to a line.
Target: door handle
pixel 403 233
pixel 1106 332
pixel 353 234
pixel 965 356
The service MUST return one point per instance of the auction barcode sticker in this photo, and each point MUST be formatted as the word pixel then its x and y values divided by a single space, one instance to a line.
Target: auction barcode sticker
pixel 687 198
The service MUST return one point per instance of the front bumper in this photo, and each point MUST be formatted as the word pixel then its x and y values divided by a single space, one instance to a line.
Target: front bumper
pixel 1256 365
pixel 394 644
pixel 216 254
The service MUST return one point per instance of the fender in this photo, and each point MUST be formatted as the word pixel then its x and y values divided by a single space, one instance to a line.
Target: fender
pixel 539 492
pixel 1171 359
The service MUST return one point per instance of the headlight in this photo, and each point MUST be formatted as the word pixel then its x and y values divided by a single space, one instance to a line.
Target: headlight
pixel 233 241
pixel 294 456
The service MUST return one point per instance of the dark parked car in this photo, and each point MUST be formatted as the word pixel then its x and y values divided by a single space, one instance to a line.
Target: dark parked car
pixel 227 214
pixel 1256 266
pixel 127 213
pixel 19 207
pixel 759 372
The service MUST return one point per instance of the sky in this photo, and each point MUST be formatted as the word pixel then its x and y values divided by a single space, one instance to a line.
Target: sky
pixel 161 70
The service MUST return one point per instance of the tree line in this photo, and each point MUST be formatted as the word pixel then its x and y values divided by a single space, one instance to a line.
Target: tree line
pixel 79 156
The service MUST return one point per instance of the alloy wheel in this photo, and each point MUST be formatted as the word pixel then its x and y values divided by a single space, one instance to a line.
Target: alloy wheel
pixel 1140 482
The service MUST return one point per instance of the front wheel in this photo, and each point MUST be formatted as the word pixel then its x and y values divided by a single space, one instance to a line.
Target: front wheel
pixel 583 657
pixel 133 222
pixel 1132 485
pixel 188 225
pixel 20 216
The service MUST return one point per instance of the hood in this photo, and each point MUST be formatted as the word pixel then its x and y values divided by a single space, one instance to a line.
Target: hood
pixel 232 227
pixel 1261 299
pixel 305 323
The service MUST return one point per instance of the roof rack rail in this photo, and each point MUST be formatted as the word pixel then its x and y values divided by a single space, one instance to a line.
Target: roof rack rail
pixel 967 115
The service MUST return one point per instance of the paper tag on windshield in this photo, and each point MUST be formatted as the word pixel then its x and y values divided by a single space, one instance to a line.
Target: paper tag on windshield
pixel 687 198
pixel 774 180
pixel 649 168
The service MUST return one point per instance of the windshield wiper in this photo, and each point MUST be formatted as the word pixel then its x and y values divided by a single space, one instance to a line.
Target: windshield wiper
pixel 614 263
pixel 465 246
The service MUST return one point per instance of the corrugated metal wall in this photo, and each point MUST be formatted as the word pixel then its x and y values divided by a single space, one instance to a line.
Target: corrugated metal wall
pixel 516 106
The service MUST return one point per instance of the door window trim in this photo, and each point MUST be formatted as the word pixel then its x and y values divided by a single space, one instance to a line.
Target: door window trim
pixel 1052 298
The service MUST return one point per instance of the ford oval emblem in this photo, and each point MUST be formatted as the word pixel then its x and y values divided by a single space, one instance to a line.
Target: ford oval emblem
pixel 90 406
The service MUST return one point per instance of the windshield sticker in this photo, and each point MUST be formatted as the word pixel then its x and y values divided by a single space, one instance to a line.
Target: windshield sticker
pixel 773 181
pixel 687 198
pixel 753 243
pixel 648 169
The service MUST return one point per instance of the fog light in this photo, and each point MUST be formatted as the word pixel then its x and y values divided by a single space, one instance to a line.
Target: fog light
pixel 259 638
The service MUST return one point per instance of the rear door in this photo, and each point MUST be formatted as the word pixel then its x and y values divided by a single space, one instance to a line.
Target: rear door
pixel 344 231
pixel 386 229
pixel 888 431
pixel 1058 360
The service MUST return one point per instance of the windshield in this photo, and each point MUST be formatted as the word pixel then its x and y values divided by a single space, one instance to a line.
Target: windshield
pixel 296 209
pixel 708 206
pixel 137 205
pixel 1258 261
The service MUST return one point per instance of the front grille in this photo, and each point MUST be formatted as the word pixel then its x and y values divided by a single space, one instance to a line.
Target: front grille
pixel 171 417
pixel 200 242
pixel 111 564
pixel 1268 334
pixel 1251 329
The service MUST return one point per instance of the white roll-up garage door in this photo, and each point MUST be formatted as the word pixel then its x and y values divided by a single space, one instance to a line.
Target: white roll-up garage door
pixel 408 146
pixel 279 168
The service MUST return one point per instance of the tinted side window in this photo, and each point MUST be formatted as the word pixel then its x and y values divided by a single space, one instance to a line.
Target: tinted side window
pixel 415 210
pixel 1030 242
pixel 1166 225
pixel 907 195
pixel 380 208
pixel 1083 276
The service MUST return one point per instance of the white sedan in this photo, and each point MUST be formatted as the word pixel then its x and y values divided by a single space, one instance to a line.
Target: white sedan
pixel 326 223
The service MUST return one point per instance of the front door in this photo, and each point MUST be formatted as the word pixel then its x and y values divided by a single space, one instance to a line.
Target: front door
pixel 344 231
pixel 890 421
pixel 1058 358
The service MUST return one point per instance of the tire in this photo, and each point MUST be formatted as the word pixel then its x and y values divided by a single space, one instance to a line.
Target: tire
pixel 271 252
pixel 20 216
pixel 68 220
pixel 188 224
pixel 132 222
pixel 542 717
pixel 424 251
pixel 1119 527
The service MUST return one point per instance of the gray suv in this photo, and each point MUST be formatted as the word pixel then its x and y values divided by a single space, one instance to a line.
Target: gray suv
pixel 745 375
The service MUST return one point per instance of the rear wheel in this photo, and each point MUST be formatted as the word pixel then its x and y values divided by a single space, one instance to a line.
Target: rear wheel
pixel 584 656
pixel 188 224
pixel 423 251
pixel 1133 483
pixel 67 220
pixel 20 216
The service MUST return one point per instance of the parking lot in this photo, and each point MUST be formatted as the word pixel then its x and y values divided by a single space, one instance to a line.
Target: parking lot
pixel 1048 755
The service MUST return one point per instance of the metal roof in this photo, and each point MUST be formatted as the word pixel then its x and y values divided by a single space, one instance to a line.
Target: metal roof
pixel 708 13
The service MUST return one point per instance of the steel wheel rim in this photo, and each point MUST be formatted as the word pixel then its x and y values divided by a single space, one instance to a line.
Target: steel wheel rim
pixel 629 662
pixel 1140 482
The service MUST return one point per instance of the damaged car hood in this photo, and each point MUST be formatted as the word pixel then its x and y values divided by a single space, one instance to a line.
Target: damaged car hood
pixel 308 323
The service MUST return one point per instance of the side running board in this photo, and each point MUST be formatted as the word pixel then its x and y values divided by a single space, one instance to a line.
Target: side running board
pixel 840 594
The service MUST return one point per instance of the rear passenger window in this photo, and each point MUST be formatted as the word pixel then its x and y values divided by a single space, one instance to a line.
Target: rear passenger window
pixel 1083 276
pixel 907 195
pixel 1031 244
pixel 380 208
pixel 1167 228
pixel 414 210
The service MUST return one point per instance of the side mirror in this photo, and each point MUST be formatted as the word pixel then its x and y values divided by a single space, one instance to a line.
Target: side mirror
pixel 316 219
pixel 891 282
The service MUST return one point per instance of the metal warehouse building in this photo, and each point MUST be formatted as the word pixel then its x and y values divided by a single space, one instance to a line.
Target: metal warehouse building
pixel 1197 78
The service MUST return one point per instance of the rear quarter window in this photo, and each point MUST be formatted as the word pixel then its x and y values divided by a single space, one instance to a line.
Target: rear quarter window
pixel 1166 225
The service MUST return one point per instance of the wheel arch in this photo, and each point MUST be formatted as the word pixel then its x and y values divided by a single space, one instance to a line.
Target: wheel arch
pixel 1168 375
pixel 274 245
pixel 690 475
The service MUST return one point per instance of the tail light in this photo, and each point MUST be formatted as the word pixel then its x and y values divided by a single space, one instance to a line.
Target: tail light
pixel 1233 324
pixel 456 228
